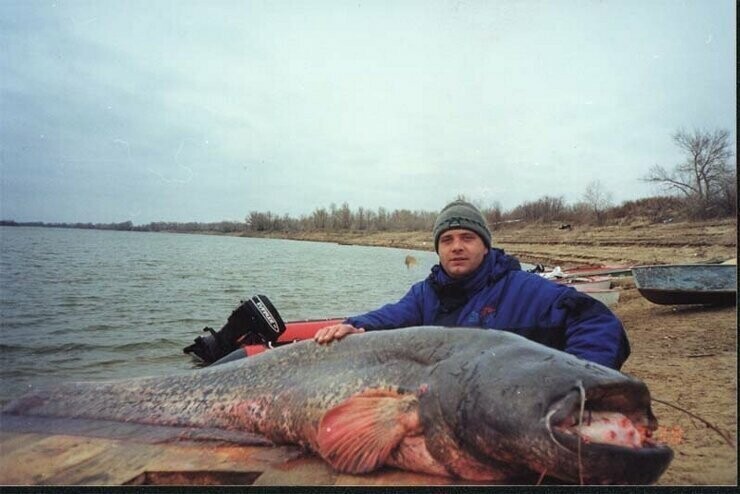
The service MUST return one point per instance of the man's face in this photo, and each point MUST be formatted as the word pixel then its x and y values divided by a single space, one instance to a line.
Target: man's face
pixel 461 252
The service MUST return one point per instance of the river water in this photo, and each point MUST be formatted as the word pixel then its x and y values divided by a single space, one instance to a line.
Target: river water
pixel 93 305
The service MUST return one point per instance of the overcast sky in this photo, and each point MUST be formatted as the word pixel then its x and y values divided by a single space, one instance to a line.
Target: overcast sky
pixel 203 111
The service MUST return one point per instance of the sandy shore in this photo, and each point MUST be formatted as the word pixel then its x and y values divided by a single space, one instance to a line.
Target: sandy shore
pixel 687 355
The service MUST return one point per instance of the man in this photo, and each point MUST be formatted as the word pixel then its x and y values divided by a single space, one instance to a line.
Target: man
pixel 478 286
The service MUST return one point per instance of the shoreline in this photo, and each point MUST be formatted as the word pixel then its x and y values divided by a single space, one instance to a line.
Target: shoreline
pixel 636 243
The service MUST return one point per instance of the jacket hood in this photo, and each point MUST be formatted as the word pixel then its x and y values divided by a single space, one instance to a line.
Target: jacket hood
pixel 495 265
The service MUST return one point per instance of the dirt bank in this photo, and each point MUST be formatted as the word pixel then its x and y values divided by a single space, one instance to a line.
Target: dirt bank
pixel 638 242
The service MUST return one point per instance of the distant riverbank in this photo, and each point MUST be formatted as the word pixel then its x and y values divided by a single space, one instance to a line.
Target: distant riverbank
pixel 633 243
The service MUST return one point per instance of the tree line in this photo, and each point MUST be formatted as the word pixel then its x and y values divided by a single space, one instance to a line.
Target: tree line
pixel 703 186
pixel 547 209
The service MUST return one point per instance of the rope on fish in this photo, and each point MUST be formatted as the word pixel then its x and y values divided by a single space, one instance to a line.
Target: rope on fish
pixel 580 425
pixel 716 429
pixel 542 477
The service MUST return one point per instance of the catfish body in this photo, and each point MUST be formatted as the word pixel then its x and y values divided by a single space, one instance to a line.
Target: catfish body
pixel 468 403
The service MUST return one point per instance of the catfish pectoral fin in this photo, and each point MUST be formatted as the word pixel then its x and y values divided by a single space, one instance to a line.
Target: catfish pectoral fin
pixel 359 434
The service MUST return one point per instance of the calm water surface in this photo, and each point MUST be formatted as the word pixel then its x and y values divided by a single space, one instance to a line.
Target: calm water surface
pixel 93 305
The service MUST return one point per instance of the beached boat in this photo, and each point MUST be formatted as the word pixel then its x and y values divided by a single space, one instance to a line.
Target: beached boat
pixel 670 284
pixel 598 270
pixel 584 283
pixel 577 273
pixel 607 296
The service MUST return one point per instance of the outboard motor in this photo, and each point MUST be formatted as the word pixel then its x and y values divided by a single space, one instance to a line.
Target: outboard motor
pixel 255 321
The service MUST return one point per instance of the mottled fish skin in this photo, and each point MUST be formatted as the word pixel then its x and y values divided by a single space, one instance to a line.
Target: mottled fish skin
pixel 482 398
pixel 274 393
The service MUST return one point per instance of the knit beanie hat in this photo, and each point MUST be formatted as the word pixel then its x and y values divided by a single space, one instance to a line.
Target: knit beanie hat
pixel 461 214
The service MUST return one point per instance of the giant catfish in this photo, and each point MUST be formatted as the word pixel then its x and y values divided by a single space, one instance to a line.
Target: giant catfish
pixel 482 405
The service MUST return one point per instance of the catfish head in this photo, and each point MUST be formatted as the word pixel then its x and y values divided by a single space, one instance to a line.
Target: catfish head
pixel 517 406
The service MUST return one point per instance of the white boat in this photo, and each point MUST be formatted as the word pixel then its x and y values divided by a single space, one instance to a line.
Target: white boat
pixel 583 283
pixel 608 297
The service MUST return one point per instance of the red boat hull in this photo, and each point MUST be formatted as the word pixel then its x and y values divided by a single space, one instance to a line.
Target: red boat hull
pixel 294 331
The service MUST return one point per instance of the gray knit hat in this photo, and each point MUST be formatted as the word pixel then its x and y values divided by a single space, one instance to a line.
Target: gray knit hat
pixel 461 214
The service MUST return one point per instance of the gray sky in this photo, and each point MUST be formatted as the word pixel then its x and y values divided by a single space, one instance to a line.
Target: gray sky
pixel 204 111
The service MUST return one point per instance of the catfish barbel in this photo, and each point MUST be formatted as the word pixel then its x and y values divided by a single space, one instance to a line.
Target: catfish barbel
pixel 482 405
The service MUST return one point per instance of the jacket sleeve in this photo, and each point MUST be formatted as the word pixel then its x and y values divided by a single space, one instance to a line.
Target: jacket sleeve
pixel 592 331
pixel 406 312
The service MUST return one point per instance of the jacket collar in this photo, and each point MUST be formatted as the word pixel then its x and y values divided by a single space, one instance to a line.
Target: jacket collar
pixel 494 266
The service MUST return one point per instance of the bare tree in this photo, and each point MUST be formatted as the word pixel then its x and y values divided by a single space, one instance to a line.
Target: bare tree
pixel 259 222
pixel 319 219
pixel 546 208
pixel 598 199
pixel 345 217
pixel 493 213
pixel 705 174
pixel 361 218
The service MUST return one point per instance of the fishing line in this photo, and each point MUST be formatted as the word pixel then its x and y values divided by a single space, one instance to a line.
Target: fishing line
pixel 542 476
pixel 580 425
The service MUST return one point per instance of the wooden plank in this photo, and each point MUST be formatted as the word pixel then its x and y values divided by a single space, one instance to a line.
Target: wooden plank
pixel 194 477
pixel 74 460
pixel 307 470
pixel 44 459
pixel 263 458
pixel 117 463
pixel 11 441
pixel 222 458
pixel 391 476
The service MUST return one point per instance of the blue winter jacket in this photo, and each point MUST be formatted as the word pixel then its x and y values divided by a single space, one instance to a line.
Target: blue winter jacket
pixel 500 295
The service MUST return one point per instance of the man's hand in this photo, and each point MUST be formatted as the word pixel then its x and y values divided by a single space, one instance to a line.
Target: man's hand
pixel 335 332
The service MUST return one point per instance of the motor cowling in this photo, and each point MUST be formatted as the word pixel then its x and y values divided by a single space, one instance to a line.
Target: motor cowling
pixel 255 321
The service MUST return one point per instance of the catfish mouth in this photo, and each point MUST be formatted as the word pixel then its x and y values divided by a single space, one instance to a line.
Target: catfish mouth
pixel 610 430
